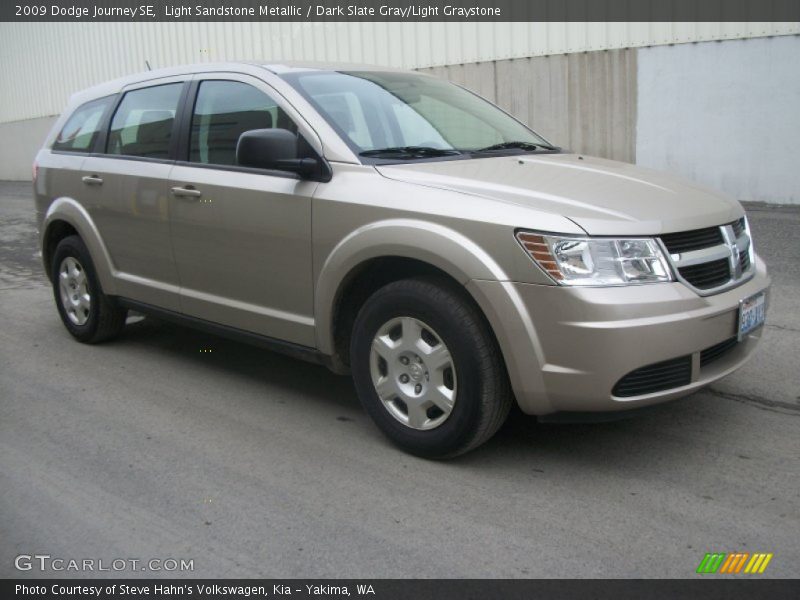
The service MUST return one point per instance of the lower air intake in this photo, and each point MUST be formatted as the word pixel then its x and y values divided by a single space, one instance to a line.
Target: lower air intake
pixel 657 377
pixel 716 351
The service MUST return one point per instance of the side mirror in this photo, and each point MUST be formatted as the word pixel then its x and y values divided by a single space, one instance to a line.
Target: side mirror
pixel 275 149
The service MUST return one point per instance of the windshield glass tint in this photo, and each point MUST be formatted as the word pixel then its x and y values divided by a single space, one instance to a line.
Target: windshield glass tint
pixel 373 110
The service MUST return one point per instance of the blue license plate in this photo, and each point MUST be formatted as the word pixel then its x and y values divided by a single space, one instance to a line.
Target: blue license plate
pixel 752 312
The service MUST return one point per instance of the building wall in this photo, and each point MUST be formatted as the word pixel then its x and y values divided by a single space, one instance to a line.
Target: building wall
pixel 584 102
pixel 725 114
pixel 43 63
pixel 21 142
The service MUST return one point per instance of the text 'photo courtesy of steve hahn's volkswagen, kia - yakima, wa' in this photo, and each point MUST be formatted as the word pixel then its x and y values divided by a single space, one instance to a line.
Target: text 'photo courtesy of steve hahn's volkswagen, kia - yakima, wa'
pixel 398 228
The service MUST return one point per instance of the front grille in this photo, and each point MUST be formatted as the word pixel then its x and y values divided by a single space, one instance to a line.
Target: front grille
pixel 738 227
pixel 712 259
pixel 707 275
pixel 685 241
pixel 744 260
pixel 716 351
pixel 655 378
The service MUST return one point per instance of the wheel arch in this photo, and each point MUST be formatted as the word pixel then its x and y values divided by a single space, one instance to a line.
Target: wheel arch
pixel 66 217
pixel 56 231
pixel 380 253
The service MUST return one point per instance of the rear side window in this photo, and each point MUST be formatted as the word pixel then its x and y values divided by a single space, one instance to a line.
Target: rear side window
pixel 224 110
pixel 142 125
pixel 81 129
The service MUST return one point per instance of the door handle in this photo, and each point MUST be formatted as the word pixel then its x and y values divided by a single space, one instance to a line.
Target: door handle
pixel 92 180
pixel 186 192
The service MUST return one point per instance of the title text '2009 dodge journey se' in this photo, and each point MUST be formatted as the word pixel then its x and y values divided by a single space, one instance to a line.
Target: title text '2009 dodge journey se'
pixel 398 227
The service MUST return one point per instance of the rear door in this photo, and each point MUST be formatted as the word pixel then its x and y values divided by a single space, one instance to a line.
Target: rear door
pixel 59 173
pixel 126 190
pixel 241 236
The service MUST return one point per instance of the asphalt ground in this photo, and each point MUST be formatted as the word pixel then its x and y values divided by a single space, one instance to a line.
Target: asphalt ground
pixel 252 464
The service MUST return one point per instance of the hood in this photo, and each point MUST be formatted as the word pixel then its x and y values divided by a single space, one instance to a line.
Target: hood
pixel 603 197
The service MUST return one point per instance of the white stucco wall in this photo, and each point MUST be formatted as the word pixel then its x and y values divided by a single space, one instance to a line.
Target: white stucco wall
pixel 21 142
pixel 726 114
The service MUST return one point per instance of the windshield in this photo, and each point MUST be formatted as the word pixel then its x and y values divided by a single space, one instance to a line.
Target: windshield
pixel 411 115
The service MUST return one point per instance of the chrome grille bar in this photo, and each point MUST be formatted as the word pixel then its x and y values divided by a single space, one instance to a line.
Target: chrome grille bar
pixel 735 248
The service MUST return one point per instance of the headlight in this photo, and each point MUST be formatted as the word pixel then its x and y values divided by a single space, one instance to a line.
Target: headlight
pixel 597 261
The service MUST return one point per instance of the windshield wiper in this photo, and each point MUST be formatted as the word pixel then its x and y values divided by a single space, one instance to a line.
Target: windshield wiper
pixel 516 146
pixel 408 151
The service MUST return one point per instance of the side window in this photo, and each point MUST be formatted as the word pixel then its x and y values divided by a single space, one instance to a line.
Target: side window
pixel 81 129
pixel 224 110
pixel 142 125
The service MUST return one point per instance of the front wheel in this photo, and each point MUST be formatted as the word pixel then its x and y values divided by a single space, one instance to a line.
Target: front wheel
pixel 427 368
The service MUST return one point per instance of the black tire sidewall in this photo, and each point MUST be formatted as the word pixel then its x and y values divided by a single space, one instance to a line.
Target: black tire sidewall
pixel 74 247
pixel 406 301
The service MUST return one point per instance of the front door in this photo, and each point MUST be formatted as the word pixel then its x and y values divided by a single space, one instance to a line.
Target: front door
pixel 241 237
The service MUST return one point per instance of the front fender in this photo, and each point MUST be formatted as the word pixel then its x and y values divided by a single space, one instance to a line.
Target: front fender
pixel 458 256
pixel 71 212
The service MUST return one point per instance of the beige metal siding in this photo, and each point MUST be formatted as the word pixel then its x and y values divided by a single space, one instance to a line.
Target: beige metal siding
pixel 585 102
pixel 41 64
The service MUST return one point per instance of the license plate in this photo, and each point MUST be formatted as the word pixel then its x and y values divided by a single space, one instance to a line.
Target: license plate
pixel 752 312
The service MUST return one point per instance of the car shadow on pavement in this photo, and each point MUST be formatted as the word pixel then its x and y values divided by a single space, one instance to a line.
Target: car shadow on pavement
pixel 312 381
pixel 629 441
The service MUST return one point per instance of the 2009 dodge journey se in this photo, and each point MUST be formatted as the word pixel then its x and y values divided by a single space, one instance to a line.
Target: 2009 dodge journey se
pixel 400 228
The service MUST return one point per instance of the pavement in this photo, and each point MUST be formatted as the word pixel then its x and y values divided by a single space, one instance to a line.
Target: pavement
pixel 251 464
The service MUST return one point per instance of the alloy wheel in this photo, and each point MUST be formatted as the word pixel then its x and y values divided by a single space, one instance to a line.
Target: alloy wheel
pixel 74 290
pixel 413 373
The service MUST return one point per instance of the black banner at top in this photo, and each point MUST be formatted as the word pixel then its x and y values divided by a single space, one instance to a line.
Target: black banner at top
pixel 399 10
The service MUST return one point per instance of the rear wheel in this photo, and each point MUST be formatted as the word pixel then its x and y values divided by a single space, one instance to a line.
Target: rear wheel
pixel 427 368
pixel 87 313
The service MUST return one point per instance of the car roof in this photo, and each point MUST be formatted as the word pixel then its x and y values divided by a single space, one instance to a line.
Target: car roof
pixel 252 67
pixel 296 65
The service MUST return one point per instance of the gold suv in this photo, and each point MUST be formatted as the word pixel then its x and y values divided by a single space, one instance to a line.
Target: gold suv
pixel 400 228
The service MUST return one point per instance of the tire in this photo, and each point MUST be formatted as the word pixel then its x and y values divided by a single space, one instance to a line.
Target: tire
pixel 411 407
pixel 87 313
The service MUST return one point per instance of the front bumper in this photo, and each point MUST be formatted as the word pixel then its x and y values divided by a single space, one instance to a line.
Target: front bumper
pixel 566 348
